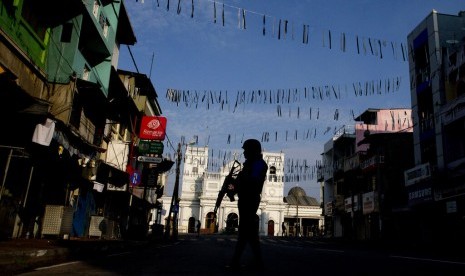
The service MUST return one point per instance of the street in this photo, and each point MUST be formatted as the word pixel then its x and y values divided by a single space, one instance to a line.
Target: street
pixel 208 255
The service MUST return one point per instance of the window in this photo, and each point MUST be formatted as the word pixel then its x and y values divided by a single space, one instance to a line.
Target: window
pixel 86 73
pixel 105 28
pixel 66 32
pixel 103 22
pixel 96 8
pixel 32 15
pixel 273 177
pixel 75 118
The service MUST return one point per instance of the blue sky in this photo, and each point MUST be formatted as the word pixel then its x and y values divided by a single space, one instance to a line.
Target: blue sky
pixel 196 54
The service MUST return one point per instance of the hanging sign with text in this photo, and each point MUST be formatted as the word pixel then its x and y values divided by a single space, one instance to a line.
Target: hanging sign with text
pixel 153 128
pixel 150 147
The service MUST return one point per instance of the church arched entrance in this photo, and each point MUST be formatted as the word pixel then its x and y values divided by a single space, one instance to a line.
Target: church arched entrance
pixel 210 222
pixel 232 223
pixel 271 228
pixel 191 225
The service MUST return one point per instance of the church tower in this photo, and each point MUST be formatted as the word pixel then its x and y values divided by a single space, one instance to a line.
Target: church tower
pixel 274 185
pixel 195 167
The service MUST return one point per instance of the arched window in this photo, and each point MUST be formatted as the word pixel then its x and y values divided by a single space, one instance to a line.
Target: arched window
pixel 273 177
pixel 232 222
pixel 210 222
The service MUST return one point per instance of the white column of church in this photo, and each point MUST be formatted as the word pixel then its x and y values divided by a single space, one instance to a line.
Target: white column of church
pixel 202 221
pixel 180 220
pixel 221 219
pixel 262 224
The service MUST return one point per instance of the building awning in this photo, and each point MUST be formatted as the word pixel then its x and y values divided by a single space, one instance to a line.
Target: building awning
pixel 165 166
pixel 93 99
pixel 21 111
pixel 120 106
pixel 107 174
pixel 125 33
pixel 65 136
pixel 15 100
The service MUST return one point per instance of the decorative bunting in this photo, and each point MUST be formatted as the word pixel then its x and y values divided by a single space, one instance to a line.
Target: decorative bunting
pixel 279 97
pixel 375 45
pixel 295 169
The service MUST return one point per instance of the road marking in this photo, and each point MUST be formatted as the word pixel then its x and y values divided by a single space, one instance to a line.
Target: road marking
pixel 329 250
pixel 428 260
pixel 39 253
pixel 58 265
pixel 119 254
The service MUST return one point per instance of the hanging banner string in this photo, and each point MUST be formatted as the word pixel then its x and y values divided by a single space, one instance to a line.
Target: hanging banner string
pixel 375 47
pixel 208 98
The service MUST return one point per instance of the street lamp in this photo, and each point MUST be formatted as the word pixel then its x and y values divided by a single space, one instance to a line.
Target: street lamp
pixel 174 207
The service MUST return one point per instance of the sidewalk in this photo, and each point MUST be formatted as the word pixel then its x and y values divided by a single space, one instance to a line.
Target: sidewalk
pixel 19 255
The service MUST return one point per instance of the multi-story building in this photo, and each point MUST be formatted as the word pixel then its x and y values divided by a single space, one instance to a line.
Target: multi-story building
pixel 199 192
pixel 360 173
pixel 341 146
pixel 71 132
pixel 436 184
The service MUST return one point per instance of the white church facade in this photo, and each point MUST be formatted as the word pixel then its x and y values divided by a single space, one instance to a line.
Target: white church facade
pixel 301 215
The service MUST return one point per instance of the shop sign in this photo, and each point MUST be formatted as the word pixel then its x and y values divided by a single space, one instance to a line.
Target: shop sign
pixel 329 208
pixel 150 147
pixel 369 202
pixel 135 178
pixel 149 159
pixel 348 204
pixel 420 193
pixel 150 177
pixel 111 187
pixel 451 207
pixel 417 174
pixel 153 128
pixel 351 204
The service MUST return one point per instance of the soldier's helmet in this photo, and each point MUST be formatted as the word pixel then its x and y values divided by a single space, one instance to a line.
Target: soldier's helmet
pixel 252 145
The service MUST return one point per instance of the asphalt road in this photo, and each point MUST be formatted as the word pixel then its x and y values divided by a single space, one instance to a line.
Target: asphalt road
pixel 208 255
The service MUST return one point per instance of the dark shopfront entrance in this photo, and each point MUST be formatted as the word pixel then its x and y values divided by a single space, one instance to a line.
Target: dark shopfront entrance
pixel 307 227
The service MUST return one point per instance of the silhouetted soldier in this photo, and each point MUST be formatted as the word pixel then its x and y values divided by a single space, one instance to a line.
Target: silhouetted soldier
pixel 249 187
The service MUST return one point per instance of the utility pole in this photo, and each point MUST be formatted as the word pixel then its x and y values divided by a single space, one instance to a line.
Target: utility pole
pixel 174 206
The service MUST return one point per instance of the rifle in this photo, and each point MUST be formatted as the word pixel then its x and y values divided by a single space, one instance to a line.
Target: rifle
pixel 228 187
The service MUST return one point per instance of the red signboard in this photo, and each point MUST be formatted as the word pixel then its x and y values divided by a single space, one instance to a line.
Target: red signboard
pixel 153 128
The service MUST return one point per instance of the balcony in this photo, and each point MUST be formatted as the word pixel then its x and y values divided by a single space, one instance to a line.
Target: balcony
pixel 348 131
pixel 453 111
pixel 353 162
pixel 97 36
pixel 325 172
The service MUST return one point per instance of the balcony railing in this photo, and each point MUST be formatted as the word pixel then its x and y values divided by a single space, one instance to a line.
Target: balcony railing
pixel 372 162
pixel 345 130
pixel 353 162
